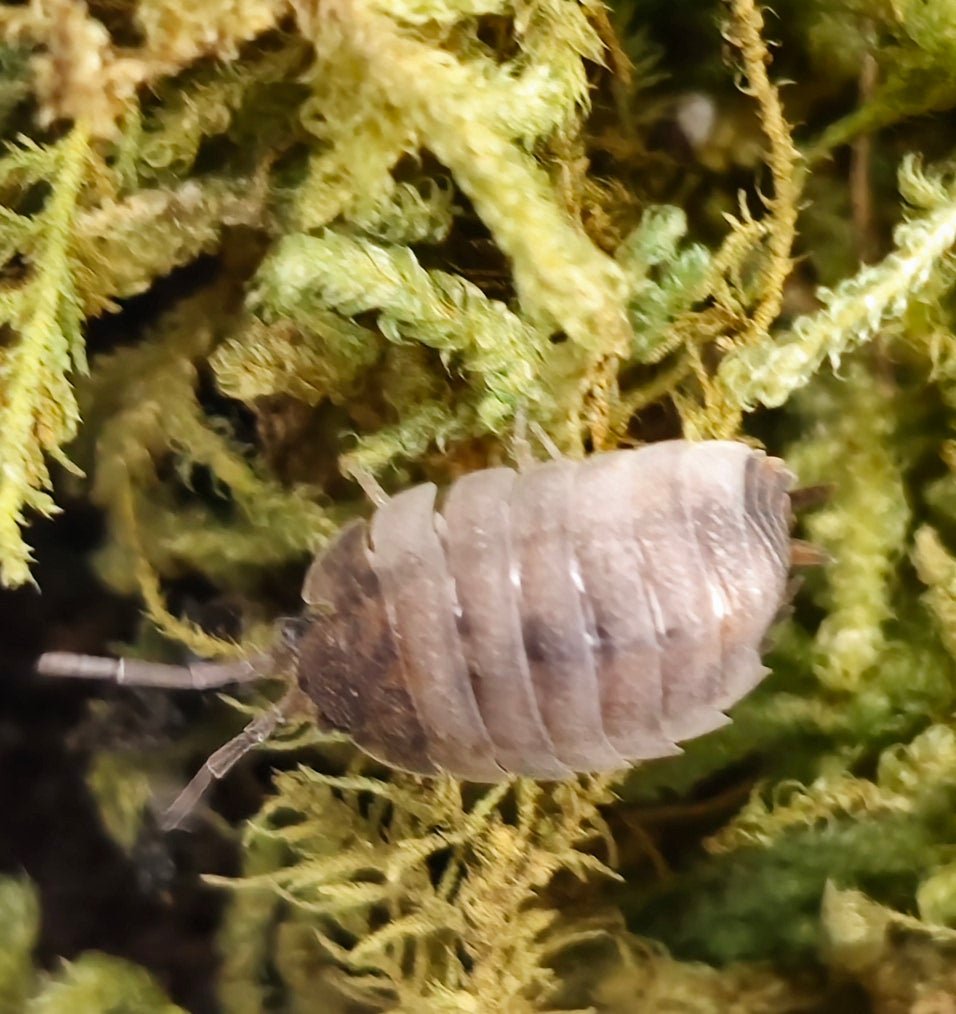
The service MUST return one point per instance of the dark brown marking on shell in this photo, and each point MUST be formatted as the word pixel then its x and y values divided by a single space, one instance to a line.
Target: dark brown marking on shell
pixel 539 643
pixel 465 626
pixel 349 663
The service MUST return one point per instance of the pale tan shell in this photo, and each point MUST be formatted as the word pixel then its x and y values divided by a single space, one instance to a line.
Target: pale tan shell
pixel 575 617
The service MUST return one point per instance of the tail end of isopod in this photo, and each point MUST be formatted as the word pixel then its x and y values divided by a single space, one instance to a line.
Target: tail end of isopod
pixel 808 554
pixel 808 498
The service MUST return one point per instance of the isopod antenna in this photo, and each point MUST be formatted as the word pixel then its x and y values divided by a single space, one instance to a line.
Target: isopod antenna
pixel 139 673
pixel 195 676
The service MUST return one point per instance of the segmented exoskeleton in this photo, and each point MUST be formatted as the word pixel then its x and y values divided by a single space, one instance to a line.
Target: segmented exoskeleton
pixel 574 617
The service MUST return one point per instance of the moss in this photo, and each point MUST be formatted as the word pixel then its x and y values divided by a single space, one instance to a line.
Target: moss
pixel 316 242
pixel 20 911
pixel 92 984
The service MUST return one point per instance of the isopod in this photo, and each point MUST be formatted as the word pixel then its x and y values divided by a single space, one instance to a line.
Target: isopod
pixel 576 616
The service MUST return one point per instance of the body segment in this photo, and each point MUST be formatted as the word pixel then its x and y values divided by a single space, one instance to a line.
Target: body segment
pixel 612 563
pixel 556 627
pixel 481 555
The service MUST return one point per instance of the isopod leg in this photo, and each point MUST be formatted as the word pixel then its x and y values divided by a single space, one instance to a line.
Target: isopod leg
pixel 554 452
pixel 521 446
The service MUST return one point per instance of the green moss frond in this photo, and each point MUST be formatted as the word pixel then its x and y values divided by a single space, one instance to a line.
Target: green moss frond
pixel 100 984
pixel 82 259
pixel 248 932
pixel 937 569
pixel 877 296
pixel 908 778
pixel 665 280
pixel 122 789
pixel 351 174
pixel 92 984
pixel 563 280
pixel 749 272
pixel 20 922
pixel 77 74
pixel 436 894
pixel 745 32
pixel 723 915
pixel 14 84
pixel 898 959
pixel 545 88
pixel 213 101
pixel 177 34
pixel 159 419
pixel 123 246
pixel 38 411
pixel 637 974
pixel 80 74
pixel 936 896
pixel 913 45
pixel 421 12
pixel 855 437
pixel 480 337
pixel 411 213
pixel 307 363
pixel 432 423
pixel 842 826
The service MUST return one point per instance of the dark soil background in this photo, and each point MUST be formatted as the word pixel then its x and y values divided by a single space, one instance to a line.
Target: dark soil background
pixel 150 907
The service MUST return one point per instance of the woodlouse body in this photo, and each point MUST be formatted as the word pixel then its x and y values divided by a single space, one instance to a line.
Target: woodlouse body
pixel 575 617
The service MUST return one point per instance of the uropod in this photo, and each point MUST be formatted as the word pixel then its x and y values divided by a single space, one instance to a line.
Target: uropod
pixel 571 617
